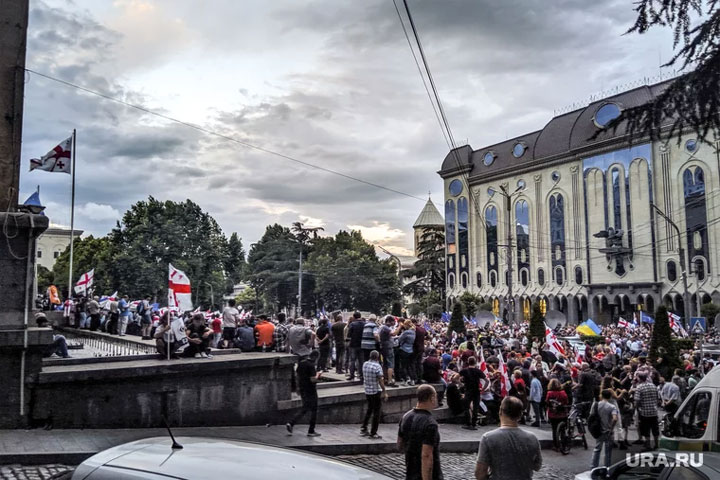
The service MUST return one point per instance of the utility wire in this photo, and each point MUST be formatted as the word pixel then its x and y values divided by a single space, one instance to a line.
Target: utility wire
pixel 220 135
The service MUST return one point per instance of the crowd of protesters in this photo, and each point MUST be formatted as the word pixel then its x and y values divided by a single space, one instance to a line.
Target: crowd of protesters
pixel 475 370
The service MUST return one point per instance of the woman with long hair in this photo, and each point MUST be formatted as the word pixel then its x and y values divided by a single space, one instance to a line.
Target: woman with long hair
pixel 556 401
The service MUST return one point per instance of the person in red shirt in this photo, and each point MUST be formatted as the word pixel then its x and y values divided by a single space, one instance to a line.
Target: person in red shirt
pixel 556 401
pixel 216 325
pixel 264 334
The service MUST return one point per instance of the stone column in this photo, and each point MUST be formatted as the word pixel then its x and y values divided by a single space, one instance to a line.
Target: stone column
pixel 13 25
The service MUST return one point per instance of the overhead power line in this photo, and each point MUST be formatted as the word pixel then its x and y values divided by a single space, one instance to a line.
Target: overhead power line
pixel 221 135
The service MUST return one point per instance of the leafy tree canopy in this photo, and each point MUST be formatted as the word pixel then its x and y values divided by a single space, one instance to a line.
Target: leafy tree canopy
pixel 88 253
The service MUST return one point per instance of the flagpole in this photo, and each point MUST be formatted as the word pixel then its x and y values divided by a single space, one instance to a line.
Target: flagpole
pixel 72 218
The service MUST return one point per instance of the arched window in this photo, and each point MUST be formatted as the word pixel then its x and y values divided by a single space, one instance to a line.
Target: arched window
pixel 557 230
pixel 617 204
pixel 578 275
pixel 463 237
pixel 522 234
pixel 451 249
pixel 493 278
pixel 541 277
pixel 451 280
pixel 671 271
pixel 700 269
pixel 464 280
pixel 478 278
pixel 559 275
pixel 524 277
pixel 696 216
pixel 491 240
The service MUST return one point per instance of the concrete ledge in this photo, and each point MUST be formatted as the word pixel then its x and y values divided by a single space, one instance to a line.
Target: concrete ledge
pixel 15 338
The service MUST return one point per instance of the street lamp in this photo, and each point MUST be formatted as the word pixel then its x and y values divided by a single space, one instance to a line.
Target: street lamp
pixel 509 239
pixel 212 295
pixel 681 252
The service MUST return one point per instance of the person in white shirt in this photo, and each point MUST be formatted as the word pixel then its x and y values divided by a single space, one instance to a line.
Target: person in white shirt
pixel 230 317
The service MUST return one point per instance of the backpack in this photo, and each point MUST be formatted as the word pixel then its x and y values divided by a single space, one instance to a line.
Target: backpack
pixel 555 407
pixel 593 422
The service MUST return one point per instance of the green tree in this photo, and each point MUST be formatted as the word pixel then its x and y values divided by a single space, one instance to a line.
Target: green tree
pixel 661 343
pixel 434 311
pixel 153 234
pixel 414 309
pixel 692 100
pixel 710 311
pixel 45 278
pixel 247 299
pixel 88 253
pixel 273 267
pixel 428 272
pixel 234 262
pixel 457 324
pixel 349 275
pixel 470 303
pixel 537 324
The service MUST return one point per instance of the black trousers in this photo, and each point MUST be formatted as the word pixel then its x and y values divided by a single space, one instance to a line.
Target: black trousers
pixel 554 422
pixel 472 398
pixel 309 405
pixel 374 409
pixel 339 358
pixel 324 355
pixel 193 348
pixel 94 321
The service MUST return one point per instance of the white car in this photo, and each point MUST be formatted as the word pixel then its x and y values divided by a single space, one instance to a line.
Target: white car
pixel 211 458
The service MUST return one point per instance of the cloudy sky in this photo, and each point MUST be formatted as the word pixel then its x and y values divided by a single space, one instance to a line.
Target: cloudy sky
pixel 328 82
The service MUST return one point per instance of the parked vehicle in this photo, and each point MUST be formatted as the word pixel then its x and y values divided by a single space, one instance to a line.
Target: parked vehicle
pixel 202 458
pixel 659 466
pixel 696 424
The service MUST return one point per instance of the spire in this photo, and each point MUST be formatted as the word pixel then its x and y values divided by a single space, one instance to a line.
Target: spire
pixel 429 216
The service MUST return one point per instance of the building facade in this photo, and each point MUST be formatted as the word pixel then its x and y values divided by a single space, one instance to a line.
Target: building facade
pixel 566 216
pixel 51 244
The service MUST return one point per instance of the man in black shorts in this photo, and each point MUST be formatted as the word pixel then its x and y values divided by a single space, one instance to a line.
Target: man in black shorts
pixel 418 437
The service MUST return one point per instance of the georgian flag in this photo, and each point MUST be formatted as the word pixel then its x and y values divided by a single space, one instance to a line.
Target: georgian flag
pixel 483 365
pixel 179 295
pixel 552 342
pixel 622 323
pixel 505 385
pixel 56 160
pixel 676 325
pixel 85 282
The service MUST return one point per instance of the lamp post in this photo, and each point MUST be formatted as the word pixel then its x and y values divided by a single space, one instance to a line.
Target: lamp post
pixel 509 239
pixel 399 264
pixel 212 295
pixel 681 252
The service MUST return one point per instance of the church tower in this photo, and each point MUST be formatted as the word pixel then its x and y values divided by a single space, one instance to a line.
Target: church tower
pixel 429 217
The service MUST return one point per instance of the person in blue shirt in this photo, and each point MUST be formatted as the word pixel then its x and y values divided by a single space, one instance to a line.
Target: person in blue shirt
pixel 125 315
pixel 536 392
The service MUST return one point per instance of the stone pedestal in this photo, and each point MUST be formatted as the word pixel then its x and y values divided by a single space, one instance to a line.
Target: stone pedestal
pixel 20 343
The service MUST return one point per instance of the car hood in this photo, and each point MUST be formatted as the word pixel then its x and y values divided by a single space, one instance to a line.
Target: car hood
pixel 218 458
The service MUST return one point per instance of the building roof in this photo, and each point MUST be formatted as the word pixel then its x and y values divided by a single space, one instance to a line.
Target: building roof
pixel 564 135
pixel 61 232
pixel 429 217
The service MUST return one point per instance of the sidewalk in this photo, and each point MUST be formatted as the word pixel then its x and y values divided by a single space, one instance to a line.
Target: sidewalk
pixel 30 447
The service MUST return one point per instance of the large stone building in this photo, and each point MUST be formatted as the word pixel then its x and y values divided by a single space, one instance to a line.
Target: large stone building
pixel 561 185
pixel 51 244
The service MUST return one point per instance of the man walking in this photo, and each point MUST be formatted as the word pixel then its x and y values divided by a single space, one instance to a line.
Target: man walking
pixel 471 377
pixel 646 401
pixel 374 384
pixel 419 438
pixel 308 377
pixel 508 453
pixel 608 414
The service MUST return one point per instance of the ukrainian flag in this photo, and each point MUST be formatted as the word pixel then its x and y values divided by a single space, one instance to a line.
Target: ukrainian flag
pixel 588 327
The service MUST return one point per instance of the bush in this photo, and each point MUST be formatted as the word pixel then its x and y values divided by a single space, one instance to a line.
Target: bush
pixel 485 306
pixel 457 324
pixel 537 324
pixel 414 309
pixel 435 311
pixel 683 344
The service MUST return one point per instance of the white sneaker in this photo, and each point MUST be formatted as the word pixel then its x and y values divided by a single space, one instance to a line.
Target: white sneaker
pixel 207 355
pixel 197 355
pixel 203 355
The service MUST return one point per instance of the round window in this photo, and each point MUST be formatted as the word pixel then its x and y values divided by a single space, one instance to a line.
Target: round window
pixel 605 114
pixel 488 159
pixel 519 150
pixel 691 145
pixel 521 184
pixel 555 176
pixel 455 188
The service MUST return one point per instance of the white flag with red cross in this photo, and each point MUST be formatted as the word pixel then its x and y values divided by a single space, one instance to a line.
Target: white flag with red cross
pixel 56 160
pixel 505 384
pixel 85 282
pixel 179 295
pixel 676 324
pixel 552 341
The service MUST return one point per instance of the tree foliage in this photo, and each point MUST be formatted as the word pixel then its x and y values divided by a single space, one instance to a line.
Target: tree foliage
pixel 247 299
pixel 153 234
pixel 88 253
pixel 537 323
pixel 457 324
pixel 234 262
pixel 428 272
pixel 470 303
pixel 691 100
pixel 273 267
pixel 661 343
pixel 349 275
